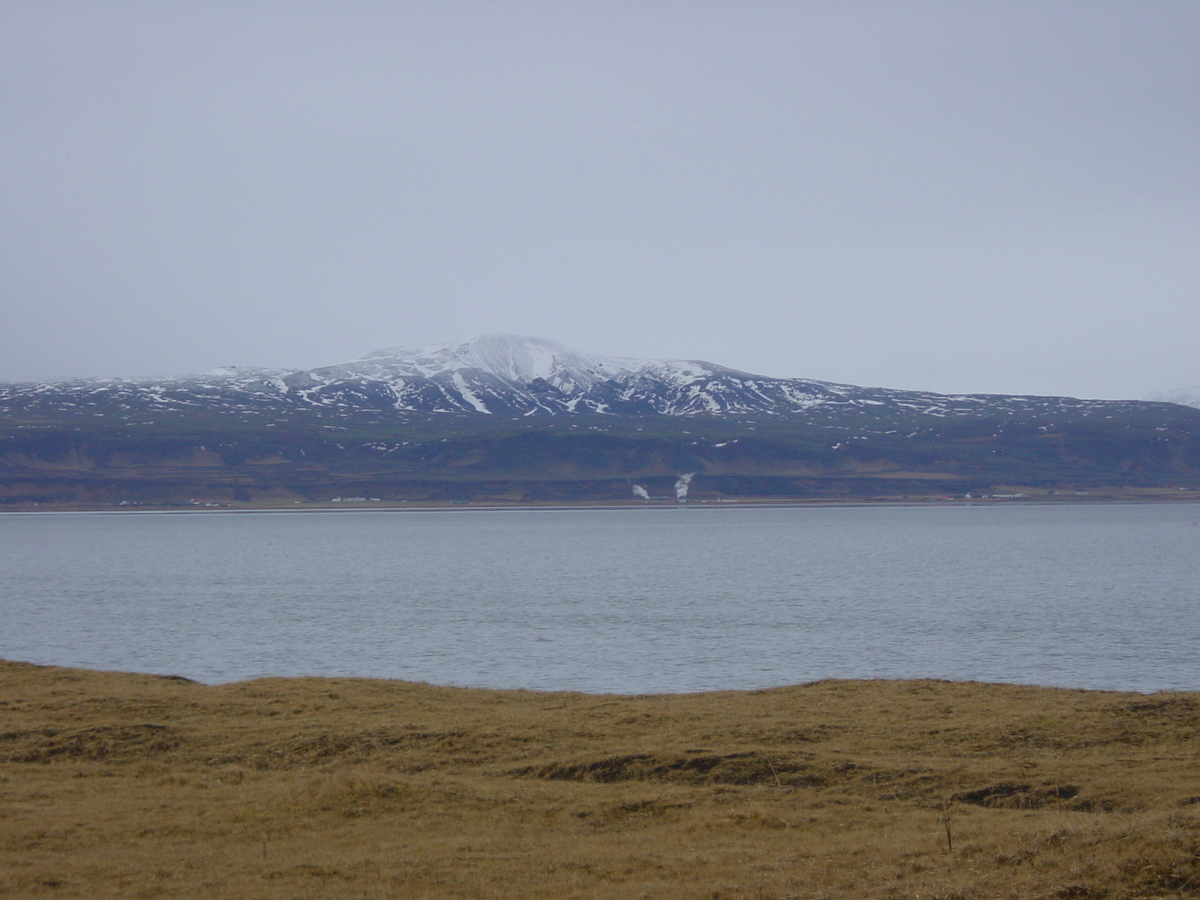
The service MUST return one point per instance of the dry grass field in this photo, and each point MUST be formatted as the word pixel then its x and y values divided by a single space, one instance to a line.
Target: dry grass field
pixel 117 785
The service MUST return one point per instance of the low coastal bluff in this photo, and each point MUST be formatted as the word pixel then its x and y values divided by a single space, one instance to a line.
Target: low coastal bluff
pixel 1151 451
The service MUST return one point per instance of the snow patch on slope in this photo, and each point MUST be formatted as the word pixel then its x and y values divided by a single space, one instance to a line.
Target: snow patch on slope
pixel 468 394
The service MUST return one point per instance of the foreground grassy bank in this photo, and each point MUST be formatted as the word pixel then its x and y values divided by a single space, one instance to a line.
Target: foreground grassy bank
pixel 117 785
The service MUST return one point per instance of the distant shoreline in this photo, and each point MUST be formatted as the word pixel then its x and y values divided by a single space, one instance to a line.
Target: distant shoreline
pixel 1092 497
pixel 141 674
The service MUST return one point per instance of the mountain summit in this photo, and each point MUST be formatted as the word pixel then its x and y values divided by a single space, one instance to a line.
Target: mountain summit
pixel 502 373
pixel 513 358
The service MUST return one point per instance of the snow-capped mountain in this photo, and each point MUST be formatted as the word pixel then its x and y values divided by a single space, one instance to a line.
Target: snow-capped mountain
pixel 513 419
pixel 508 375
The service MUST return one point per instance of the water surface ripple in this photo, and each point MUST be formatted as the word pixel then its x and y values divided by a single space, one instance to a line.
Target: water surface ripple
pixel 631 601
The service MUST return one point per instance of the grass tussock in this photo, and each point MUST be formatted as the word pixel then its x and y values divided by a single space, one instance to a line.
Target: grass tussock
pixel 132 786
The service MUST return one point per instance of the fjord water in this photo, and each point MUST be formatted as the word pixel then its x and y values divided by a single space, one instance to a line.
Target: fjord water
pixel 632 601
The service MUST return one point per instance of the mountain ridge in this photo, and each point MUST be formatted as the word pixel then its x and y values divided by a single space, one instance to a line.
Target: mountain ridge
pixel 507 375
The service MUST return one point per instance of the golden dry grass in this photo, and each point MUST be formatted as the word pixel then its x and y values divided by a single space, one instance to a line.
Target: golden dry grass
pixel 117 785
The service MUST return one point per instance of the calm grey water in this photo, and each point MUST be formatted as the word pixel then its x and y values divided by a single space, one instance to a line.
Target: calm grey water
pixel 631 601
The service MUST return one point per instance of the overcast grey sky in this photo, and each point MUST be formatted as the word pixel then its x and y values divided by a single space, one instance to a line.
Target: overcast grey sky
pixel 952 196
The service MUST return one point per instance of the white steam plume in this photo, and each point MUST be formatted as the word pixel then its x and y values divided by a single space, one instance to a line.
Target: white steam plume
pixel 681 486
pixel 640 492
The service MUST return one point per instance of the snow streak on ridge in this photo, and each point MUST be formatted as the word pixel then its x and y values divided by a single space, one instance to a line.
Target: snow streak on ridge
pixel 515 376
